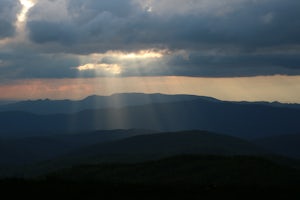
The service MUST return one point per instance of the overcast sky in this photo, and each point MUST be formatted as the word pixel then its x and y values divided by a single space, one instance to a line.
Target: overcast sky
pixel 42 39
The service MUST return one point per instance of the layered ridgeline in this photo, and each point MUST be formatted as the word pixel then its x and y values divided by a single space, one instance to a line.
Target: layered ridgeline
pixel 161 145
pixel 23 151
pixel 189 162
pixel 155 112
pixel 126 162
pixel 37 156
pixel 120 145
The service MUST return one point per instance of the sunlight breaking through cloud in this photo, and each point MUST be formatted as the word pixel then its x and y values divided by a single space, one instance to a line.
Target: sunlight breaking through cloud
pixel 26 4
pixel 115 62
pixel 142 54
pixel 22 17
pixel 113 69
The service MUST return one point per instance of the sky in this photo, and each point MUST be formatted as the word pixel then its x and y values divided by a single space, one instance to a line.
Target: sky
pixel 230 49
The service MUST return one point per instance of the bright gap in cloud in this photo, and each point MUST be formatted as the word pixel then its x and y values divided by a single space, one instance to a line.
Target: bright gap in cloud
pixel 109 68
pixel 142 54
pixel 26 5
pixel 95 62
pixel 22 18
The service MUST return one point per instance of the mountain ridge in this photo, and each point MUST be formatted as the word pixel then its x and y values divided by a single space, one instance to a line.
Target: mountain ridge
pixel 66 106
pixel 47 106
pixel 242 120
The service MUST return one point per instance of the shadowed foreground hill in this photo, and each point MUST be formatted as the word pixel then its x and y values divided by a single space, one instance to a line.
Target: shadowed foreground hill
pixel 21 151
pixel 181 170
pixel 286 145
pixel 153 146
pixel 114 148
pixel 178 177
pixel 173 165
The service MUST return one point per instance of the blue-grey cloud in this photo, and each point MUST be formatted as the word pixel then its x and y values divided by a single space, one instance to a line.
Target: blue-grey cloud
pixel 43 32
pixel 251 24
pixel 21 64
pixel 8 16
pixel 218 38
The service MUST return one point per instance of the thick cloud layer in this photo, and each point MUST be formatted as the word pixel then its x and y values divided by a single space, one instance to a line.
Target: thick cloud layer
pixel 8 14
pixel 197 38
pixel 179 24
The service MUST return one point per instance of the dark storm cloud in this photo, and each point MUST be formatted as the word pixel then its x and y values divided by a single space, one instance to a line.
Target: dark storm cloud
pixel 246 37
pixel 8 15
pixel 92 25
pixel 42 32
pixel 251 24
pixel 23 64
pixel 92 8
pixel 235 65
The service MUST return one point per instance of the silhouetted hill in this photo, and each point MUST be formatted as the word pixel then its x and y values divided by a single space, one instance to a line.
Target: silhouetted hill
pixel 180 177
pixel 153 146
pixel 116 146
pixel 287 145
pixel 36 149
pixel 273 104
pixel 198 170
pixel 242 120
pixel 47 106
pixel 5 102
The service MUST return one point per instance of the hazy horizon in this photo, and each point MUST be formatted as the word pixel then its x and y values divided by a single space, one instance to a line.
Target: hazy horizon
pixel 261 88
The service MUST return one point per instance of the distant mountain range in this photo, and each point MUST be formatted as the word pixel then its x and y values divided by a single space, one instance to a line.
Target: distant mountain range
pixel 5 102
pixel 246 120
pixel 140 127
pixel 47 106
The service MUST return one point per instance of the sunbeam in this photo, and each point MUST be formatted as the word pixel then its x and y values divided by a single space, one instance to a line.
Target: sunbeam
pixel 22 17
pixel 26 6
